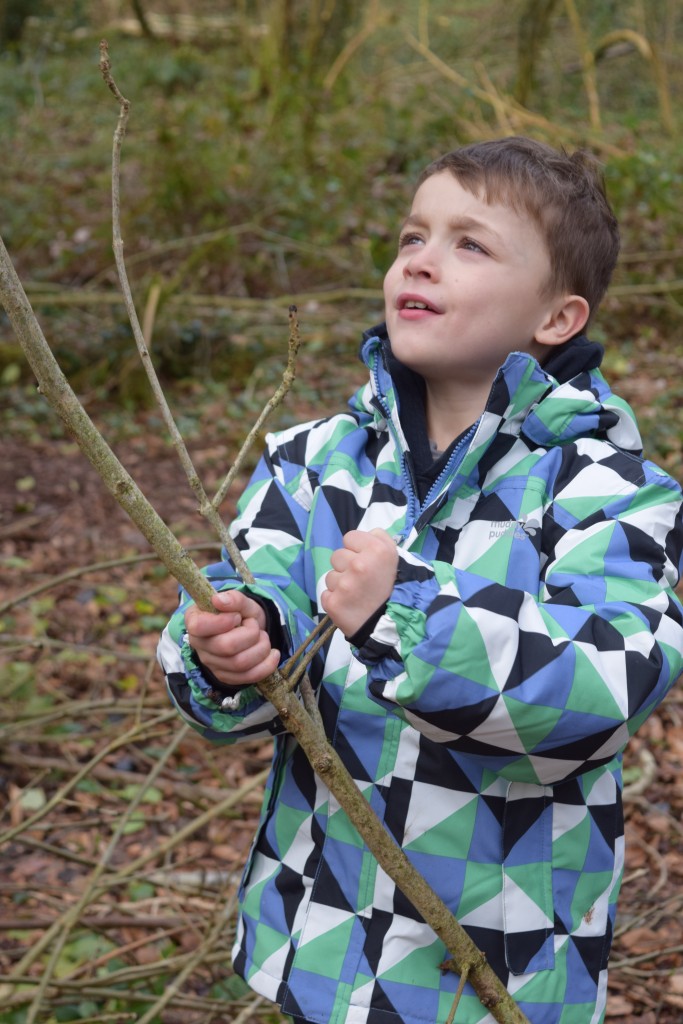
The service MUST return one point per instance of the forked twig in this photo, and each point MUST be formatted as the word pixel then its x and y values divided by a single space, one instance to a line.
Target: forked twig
pixel 294 669
pixel 206 507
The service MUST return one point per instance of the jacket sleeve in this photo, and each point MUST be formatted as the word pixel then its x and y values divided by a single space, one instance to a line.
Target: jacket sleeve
pixel 269 530
pixel 541 686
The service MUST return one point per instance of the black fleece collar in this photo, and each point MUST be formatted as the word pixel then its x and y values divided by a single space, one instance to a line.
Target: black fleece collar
pixel 578 355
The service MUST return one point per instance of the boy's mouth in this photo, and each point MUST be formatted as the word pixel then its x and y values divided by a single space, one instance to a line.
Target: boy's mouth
pixel 415 306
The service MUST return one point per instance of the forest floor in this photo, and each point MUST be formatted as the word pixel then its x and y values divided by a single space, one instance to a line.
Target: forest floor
pixel 113 906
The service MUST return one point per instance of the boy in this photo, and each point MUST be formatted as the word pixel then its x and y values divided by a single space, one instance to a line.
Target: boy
pixel 500 562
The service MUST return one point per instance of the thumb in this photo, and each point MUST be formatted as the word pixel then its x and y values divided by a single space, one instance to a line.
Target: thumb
pixel 226 600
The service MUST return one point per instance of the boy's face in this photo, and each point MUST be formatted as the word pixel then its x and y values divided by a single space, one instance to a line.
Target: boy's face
pixel 465 288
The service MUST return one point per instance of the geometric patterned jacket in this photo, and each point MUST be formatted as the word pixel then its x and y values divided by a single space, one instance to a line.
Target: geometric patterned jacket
pixel 532 628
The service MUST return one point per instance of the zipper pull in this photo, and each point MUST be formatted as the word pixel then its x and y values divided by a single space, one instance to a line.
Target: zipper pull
pixel 428 513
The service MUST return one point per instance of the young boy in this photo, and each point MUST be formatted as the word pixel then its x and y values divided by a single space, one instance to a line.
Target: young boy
pixel 500 562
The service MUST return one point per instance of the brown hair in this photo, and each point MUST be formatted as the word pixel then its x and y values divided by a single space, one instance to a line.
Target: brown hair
pixel 564 194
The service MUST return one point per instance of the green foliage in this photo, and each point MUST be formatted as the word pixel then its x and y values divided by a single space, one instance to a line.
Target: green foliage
pixel 258 164
pixel 272 153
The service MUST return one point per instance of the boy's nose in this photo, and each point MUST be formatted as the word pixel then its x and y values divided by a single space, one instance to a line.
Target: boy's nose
pixel 422 263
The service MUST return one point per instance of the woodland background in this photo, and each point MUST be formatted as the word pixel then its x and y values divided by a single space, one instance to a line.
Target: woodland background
pixel 270 155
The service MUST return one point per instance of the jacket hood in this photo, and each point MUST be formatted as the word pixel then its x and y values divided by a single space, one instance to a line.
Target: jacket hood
pixel 566 399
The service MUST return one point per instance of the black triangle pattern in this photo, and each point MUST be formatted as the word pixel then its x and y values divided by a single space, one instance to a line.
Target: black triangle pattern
pixel 520 818
pixel 521 947
pixel 328 891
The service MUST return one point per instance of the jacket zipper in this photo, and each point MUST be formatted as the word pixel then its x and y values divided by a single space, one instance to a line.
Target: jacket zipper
pixel 456 457
pixel 406 469
pixel 418 515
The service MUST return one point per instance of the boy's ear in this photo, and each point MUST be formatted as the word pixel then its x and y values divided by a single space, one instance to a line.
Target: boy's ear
pixel 567 317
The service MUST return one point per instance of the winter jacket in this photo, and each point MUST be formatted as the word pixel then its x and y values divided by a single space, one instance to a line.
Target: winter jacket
pixel 531 629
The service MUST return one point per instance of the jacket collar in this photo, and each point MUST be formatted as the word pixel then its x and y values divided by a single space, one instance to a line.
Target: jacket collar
pixel 553 404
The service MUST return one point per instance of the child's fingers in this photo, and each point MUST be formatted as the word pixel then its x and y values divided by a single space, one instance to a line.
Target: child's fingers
pixel 206 624
pixel 240 664
pixel 248 658
pixel 340 559
pixel 237 637
pixel 262 668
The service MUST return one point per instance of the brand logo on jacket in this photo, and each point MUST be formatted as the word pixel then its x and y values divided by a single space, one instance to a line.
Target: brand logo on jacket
pixel 520 529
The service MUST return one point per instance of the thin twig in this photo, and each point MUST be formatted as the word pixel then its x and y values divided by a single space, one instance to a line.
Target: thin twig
pixel 251 1007
pixel 321 625
pixel 657 860
pixel 181 790
pixel 20 643
pixel 71 710
pixel 52 295
pixel 619 963
pixel 96 922
pixel 295 674
pixel 458 994
pixel 58 851
pixel 274 401
pixel 310 702
pixel 82 570
pixel 206 508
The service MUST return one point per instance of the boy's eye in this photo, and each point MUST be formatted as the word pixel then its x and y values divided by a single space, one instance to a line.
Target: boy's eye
pixel 409 238
pixel 471 245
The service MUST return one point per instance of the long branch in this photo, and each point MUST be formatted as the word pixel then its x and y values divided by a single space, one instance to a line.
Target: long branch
pixel 329 766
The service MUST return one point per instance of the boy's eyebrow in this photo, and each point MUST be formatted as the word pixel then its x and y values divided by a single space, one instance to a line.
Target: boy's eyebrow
pixel 455 224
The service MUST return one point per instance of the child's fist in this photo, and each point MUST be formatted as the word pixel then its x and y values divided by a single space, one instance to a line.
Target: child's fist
pixel 361 579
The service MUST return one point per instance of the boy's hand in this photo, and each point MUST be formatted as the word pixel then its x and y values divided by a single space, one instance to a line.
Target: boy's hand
pixel 233 643
pixel 361 580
